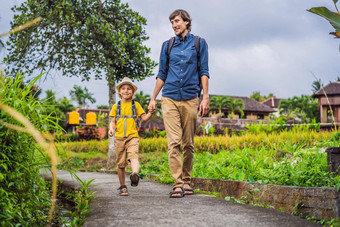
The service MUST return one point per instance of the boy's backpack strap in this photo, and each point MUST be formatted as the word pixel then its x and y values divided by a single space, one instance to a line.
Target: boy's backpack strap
pixel 118 111
pixel 134 115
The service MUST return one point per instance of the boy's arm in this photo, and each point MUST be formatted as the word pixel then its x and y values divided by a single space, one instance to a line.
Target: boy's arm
pixel 146 117
pixel 112 126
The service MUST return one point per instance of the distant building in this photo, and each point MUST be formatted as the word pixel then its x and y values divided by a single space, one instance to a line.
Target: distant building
pixel 253 110
pixel 329 102
pixel 273 103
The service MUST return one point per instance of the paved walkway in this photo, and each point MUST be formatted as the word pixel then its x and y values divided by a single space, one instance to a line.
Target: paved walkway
pixel 149 205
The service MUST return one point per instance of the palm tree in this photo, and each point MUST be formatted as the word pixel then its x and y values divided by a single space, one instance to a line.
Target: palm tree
pixel 235 106
pixel 81 95
pixel 142 99
pixel 65 105
pixel 317 85
pixel 218 102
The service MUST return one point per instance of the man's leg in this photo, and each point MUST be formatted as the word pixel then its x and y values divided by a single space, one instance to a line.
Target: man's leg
pixel 188 110
pixel 172 123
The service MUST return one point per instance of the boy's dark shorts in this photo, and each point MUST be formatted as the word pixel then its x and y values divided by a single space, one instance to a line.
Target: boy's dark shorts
pixel 126 148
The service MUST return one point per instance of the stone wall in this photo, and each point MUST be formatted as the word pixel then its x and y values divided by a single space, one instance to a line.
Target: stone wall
pixel 318 202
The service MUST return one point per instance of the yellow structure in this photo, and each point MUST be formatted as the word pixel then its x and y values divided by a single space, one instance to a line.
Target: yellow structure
pixel 73 118
pixel 91 118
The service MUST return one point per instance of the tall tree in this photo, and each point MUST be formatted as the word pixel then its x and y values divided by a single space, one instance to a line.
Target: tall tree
pixel 258 97
pixel 317 85
pixel 82 38
pixel 218 102
pixel 65 105
pixel 235 106
pixel 82 95
pixel 304 107
pixel 142 99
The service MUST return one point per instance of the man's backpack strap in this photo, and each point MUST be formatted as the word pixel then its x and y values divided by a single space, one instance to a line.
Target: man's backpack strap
pixel 170 44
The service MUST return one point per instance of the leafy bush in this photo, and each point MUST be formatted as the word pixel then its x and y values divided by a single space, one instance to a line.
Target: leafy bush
pixel 24 195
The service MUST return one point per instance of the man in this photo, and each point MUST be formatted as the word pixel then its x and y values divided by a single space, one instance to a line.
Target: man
pixel 180 76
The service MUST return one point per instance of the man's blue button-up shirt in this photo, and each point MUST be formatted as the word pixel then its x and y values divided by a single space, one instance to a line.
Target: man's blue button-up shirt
pixel 181 79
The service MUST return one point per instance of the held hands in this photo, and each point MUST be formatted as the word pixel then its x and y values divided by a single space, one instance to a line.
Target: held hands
pixel 152 106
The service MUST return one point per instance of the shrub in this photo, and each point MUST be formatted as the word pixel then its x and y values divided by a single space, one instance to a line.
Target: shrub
pixel 24 195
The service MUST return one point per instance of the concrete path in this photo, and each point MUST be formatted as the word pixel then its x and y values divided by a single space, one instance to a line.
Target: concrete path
pixel 149 205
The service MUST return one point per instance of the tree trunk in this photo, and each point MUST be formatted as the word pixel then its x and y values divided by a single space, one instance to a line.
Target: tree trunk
pixel 111 161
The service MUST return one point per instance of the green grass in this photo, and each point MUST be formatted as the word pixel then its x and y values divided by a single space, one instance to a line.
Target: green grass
pixel 287 158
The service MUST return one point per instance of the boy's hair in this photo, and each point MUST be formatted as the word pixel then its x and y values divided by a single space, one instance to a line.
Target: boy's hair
pixel 184 14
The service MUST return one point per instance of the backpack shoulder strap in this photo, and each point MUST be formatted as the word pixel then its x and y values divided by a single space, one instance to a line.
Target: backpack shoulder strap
pixel 133 107
pixel 197 45
pixel 170 44
pixel 197 40
pixel 118 110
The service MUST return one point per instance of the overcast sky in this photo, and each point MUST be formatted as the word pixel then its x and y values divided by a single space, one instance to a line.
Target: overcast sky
pixel 264 45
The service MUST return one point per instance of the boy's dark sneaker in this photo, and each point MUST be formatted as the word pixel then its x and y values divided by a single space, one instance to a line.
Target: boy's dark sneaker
pixel 134 177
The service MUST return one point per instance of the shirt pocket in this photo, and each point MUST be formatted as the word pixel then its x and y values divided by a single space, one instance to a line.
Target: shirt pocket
pixel 191 55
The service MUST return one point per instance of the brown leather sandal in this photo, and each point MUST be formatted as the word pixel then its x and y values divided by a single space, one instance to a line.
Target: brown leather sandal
pixel 123 190
pixel 173 193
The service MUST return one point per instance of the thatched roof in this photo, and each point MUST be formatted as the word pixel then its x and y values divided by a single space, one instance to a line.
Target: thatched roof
pixel 330 89
pixel 272 102
pixel 250 105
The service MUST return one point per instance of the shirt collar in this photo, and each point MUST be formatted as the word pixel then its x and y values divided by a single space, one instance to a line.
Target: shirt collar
pixel 178 38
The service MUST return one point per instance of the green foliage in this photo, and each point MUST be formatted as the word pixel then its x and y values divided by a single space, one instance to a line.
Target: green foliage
pixel 280 126
pixel 24 195
pixel 305 108
pixel 258 97
pixel 232 105
pixel 142 99
pixel 82 199
pixel 82 95
pixel 105 107
pixel 81 38
pixel 218 102
pixel 332 17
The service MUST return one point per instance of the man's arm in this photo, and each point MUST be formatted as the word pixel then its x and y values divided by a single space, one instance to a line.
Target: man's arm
pixel 158 87
pixel 204 106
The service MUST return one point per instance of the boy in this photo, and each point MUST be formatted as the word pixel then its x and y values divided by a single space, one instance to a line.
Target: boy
pixel 126 137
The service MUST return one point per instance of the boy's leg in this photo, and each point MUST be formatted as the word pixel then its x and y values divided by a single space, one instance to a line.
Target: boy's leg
pixel 134 165
pixel 132 146
pixel 121 176
pixel 120 159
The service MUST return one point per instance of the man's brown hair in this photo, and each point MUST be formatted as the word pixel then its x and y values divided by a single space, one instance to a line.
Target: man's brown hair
pixel 184 14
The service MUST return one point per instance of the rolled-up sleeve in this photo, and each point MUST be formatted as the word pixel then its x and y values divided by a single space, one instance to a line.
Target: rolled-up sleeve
pixel 163 71
pixel 204 68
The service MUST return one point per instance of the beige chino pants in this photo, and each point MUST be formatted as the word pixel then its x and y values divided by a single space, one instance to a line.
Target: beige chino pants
pixel 180 119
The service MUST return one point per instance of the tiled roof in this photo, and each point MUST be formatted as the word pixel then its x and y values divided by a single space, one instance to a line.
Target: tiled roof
pixel 330 89
pixel 250 105
pixel 272 102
